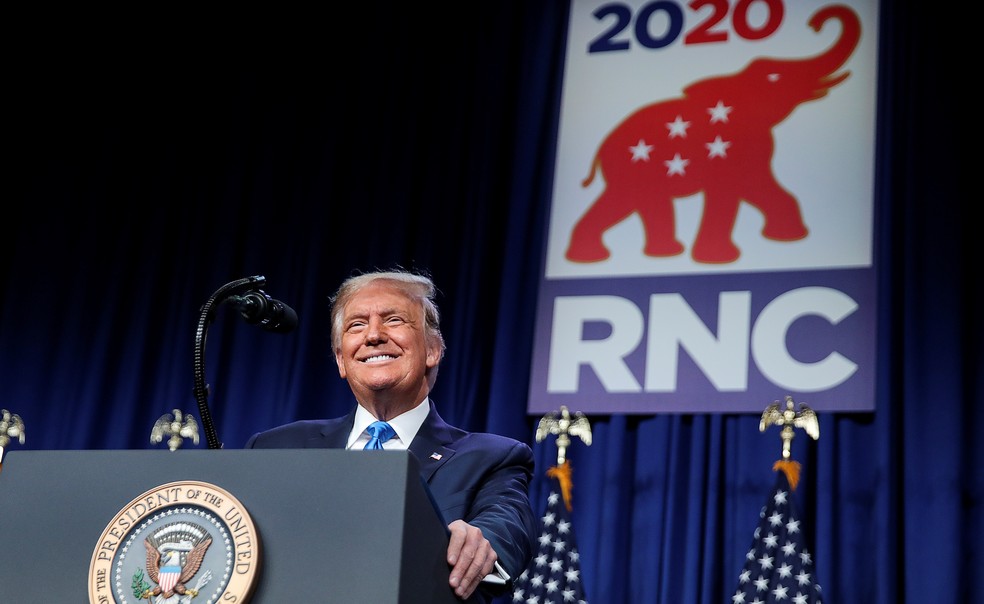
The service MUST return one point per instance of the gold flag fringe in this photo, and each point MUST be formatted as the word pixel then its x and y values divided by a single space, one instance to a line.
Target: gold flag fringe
pixel 792 470
pixel 563 475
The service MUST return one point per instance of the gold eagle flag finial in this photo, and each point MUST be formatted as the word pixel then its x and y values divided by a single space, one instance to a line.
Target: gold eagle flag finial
pixel 561 424
pixel 564 426
pixel 177 427
pixel 11 426
pixel 789 418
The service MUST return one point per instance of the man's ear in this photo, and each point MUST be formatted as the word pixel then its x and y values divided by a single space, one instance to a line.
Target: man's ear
pixel 341 365
pixel 433 354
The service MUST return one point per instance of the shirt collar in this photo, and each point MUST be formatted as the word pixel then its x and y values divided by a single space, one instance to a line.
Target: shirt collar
pixel 406 424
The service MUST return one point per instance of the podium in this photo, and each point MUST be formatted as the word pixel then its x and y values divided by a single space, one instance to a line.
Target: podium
pixel 330 525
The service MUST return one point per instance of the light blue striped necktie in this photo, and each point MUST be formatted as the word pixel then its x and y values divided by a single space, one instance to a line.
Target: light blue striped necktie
pixel 379 432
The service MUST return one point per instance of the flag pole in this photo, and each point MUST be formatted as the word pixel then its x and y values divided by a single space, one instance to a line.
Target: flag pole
pixel 553 576
pixel 564 426
pixel 779 564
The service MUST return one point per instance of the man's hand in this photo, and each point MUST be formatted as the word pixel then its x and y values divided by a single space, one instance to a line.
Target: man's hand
pixel 471 558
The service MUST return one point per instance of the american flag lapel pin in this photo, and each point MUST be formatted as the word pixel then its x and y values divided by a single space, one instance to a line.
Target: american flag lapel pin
pixel 436 456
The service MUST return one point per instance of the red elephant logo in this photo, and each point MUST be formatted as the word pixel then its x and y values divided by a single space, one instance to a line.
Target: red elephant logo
pixel 717 140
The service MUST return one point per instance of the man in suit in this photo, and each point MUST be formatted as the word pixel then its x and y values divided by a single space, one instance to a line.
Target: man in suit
pixel 388 345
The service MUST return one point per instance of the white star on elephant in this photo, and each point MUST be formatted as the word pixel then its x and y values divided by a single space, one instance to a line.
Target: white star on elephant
pixel 677 165
pixel 717 148
pixel 678 127
pixel 719 112
pixel 641 151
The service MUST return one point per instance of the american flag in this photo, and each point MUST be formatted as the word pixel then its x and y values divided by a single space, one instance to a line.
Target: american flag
pixel 778 567
pixel 554 574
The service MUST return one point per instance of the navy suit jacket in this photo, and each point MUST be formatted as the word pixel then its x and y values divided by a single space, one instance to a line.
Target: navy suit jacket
pixel 480 478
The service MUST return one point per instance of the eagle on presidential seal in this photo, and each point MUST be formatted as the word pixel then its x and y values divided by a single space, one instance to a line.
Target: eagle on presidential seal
pixel 174 555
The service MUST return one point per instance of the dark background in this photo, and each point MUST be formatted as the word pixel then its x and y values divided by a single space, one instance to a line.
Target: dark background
pixel 150 163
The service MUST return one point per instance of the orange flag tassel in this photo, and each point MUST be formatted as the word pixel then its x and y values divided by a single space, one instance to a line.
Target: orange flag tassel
pixel 792 470
pixel 563 475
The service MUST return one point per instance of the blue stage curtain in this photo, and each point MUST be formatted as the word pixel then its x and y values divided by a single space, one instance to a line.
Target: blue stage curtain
pixel 143 177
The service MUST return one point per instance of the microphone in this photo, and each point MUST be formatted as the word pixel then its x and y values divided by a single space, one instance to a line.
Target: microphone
pixel 258 308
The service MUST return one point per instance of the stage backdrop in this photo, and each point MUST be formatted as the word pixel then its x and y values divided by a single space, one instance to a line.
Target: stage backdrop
pixel 146 171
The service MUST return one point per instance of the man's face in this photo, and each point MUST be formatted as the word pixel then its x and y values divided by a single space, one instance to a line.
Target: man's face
pixel 384 345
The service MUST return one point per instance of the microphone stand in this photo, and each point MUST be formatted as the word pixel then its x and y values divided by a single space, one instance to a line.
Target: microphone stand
pixel 206 318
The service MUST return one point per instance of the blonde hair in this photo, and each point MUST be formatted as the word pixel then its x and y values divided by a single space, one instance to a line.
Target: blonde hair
pixel 414 285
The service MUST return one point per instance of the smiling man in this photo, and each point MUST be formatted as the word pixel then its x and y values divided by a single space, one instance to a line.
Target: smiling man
pixel 388 345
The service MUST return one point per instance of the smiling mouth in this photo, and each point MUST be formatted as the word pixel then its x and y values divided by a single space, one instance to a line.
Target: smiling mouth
pixel 379 358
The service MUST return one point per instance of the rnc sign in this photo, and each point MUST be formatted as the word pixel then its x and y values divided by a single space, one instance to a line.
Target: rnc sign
pixel 711 232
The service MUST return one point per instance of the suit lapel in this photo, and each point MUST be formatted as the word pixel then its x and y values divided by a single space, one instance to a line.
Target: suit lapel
pixel 334 434
pixel 432 444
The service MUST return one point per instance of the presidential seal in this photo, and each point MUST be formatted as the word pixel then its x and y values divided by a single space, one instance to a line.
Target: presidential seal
pixel 178 543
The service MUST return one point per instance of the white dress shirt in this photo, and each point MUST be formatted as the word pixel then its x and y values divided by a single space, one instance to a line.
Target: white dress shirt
pixel 406 426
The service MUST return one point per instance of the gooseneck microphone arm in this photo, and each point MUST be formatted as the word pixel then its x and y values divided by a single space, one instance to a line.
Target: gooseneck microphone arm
pixel 256 307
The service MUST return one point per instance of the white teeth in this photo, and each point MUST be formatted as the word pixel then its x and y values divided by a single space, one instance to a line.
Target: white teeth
pixel 379 357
